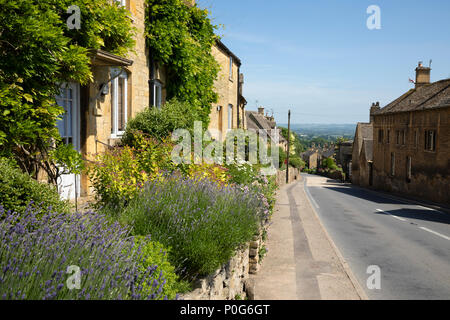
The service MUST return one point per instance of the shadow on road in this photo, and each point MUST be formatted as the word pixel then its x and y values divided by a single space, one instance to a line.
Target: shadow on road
pixel 362 194
pixel 420 214
pixel 413 213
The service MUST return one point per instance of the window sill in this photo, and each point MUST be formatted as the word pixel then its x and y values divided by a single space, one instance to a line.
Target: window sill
pixel 116 136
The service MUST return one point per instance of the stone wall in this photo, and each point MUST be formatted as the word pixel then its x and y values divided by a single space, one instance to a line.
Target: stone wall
pixel 430 170
pixel 294 174
pixel 232 281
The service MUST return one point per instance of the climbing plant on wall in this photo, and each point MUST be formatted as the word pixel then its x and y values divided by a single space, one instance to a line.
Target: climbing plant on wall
pixel 180 37
pixel 38 52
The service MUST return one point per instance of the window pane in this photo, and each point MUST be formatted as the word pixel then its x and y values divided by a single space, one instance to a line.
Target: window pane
pixel 69 119
pixel 158 96
pixel 60 124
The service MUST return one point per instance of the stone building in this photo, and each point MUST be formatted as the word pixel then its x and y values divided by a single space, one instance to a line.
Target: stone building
pixel 229 111
pixel 344 152
pixel 362 155
pixel 96 114
pixel 312 158
pixel 411 141
pixel 257 120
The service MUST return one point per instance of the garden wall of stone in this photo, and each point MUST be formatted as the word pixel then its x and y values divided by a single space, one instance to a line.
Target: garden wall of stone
pixel 294 174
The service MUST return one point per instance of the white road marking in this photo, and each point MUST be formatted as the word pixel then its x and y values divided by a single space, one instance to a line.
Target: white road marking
pixel 436 233
pixel 312 199
pixel 429 209
pixel 423 228
pixel 394 216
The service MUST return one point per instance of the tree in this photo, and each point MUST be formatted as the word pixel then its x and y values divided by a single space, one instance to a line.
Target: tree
pixel 181 38
pixel 38 52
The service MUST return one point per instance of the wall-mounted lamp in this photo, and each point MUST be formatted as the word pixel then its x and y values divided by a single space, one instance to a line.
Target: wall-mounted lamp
pixel 104 90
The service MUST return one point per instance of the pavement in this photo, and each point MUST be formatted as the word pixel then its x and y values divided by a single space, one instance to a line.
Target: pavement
pixel 409 241
pixel 302 262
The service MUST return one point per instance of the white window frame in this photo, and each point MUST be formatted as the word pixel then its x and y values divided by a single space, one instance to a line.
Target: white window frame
pixel 430 140
pixel 115 132
pixel 123 3
pixel 230 117
pixel 231 68
pixel 157 98
pixel 408 168
pixel 69 185
pixel 74 116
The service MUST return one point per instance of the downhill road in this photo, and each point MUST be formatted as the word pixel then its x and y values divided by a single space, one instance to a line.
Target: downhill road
pixel 409 243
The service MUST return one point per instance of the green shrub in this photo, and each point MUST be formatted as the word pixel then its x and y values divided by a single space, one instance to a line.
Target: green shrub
pixel 154 254
pixel 243 174
pixel 17 189
pixel 200 221
pixel 329 163
pixel 161 122
pixel 119 174
pixel 296 162
pixel 310 171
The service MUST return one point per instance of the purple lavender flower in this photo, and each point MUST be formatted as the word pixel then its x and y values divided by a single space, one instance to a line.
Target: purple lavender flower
pixel 45 247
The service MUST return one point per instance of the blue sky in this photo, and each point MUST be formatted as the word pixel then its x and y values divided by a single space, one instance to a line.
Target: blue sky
pixel 319 59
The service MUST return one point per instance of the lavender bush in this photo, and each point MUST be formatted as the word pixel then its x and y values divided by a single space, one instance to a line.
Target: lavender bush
pixel 35 254
pixel 203 223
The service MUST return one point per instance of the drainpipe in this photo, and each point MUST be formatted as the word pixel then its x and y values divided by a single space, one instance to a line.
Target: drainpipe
pixel 152 78
pixel 238 108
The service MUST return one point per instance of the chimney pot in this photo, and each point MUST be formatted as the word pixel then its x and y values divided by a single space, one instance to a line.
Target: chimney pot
pixel 261 110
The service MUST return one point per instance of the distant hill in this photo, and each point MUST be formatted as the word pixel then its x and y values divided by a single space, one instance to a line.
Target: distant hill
pixel 327 130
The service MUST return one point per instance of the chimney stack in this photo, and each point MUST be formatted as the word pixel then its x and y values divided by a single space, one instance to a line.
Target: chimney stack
pixel 422 75
pixel 373 109
pixel 261 111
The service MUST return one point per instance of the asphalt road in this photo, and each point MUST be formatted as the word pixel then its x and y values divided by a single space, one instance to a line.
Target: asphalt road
pixel 409 243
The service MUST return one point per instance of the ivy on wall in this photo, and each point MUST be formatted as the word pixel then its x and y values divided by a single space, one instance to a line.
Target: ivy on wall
pixel 180 38
pixel 38 52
